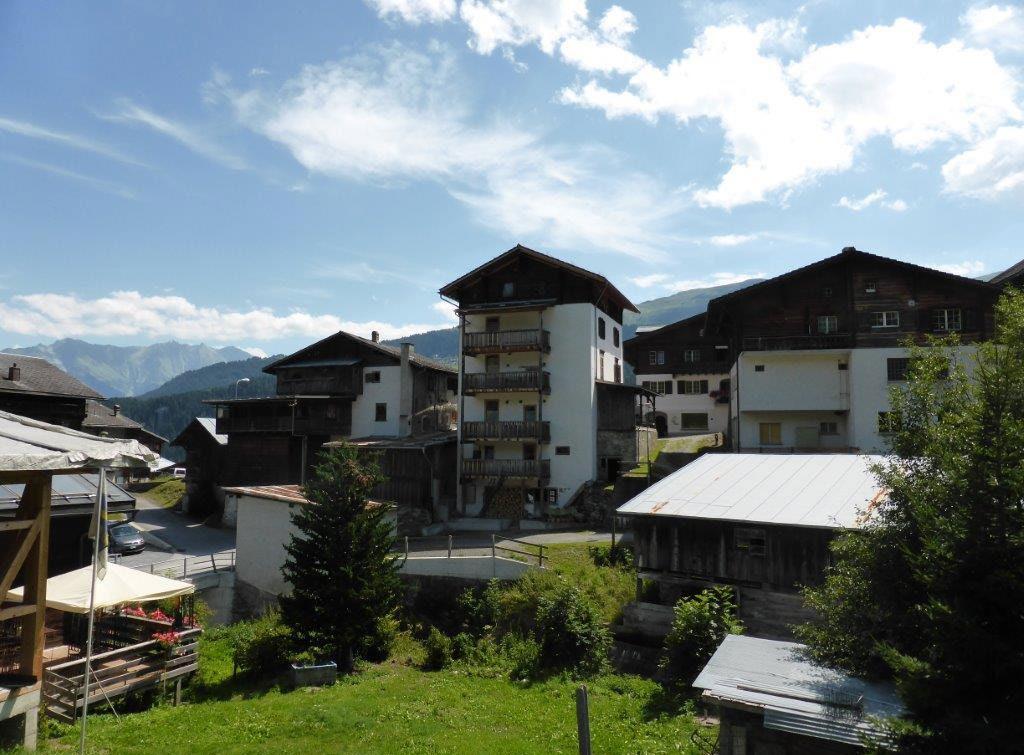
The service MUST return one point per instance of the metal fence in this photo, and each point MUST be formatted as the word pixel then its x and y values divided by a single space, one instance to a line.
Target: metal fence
pixel 189 566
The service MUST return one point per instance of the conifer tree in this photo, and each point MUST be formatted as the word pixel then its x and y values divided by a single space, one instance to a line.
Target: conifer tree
pixel 340 565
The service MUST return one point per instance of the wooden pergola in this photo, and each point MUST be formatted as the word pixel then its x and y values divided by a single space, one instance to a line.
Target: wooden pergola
pixel 31 453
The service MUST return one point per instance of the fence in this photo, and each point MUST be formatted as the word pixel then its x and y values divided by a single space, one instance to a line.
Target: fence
pixel 190 566
pixel 469 546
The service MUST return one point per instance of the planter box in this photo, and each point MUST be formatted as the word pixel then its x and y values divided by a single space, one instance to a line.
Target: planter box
pixel 313 676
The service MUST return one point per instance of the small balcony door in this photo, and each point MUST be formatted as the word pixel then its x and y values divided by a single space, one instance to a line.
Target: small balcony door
pixel 492 364
pixel 530 413
pixel 488 452
pixel 492 324
pixel 529 452
pixel 490 411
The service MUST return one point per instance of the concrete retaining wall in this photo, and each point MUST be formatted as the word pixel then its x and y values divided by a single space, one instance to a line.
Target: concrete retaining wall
pixel 479 568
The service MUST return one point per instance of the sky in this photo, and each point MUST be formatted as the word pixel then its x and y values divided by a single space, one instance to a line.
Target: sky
pixel 263 174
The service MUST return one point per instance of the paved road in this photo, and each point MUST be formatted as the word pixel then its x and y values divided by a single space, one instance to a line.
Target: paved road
pixel 186 536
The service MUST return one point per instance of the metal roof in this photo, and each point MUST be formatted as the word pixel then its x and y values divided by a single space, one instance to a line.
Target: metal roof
pixel 797 695
pixel 210 425
pixel 70 494
pixel 806 490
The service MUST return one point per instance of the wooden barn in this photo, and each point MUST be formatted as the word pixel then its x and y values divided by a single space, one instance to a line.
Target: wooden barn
pixel 761 523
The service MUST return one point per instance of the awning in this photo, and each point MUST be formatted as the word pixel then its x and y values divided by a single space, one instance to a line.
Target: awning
pixel 30 445
pixel 70 592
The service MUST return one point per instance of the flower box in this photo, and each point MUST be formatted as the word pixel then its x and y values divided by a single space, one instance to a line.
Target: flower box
pixel 315 675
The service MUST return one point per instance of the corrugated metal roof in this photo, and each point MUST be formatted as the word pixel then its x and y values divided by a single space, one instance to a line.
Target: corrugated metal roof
pixel 807 490
pixel 71 493
pixel 210 425
pixel 796 694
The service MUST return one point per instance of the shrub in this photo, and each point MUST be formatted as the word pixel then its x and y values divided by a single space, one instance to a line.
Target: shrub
pixel 522 656
pixel 463 646
pixel 617 556
pixel 571 633
pixel 377 645
pixel 701 623
pixel 262 646
pixel 478 609
pixel 439 650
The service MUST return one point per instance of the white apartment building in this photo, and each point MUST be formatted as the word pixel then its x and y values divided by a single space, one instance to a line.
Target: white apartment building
pixel 542 406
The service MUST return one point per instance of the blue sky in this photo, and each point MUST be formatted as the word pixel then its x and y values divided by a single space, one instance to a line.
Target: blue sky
pixel 263 173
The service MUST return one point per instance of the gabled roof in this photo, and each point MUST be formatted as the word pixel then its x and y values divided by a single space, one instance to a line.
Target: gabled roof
pixel 519 250
pixel 802 490
pixel 1009 274
pixel 848 253
pixel 98 414
pixel 41 377
pixel 295 359
pixel 660 331
pixel 207 424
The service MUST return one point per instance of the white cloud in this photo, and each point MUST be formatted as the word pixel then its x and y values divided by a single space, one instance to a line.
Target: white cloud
pixel 497 23
pixel 647 281
pixel 257 71
pixel 878 196
pixel 716 279
pixel 414 11
pixel 967 268
pixel 992 167
pixel 733 239
pixel 32 131
pixel 107 187
pixel 606 50
pixel 1000 27
pixel 256 351
pixel 394 115
pixel 787 122
pixel 446 310
pixel 129 313
pixel 617 24
pixel 193 139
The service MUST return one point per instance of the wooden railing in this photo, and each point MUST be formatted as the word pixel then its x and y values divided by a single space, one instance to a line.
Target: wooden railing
pixel 116 673
pixel 787 343
pixel 517 468
pixel 498 341
pixel 507 430
pixel 501 382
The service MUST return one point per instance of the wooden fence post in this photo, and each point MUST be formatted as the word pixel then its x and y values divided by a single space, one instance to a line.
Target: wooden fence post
pixel 583 719
pixel 494 542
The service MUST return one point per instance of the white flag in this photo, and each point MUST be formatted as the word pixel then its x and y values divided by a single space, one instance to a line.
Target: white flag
pixel 98 525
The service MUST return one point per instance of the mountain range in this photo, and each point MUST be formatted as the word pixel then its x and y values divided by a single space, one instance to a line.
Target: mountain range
pixel 128 370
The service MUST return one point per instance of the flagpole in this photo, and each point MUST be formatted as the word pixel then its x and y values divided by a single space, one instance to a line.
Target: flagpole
pixel 101 492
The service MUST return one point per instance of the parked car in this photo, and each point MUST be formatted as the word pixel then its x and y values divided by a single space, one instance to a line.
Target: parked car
pixel 125 538
pixel 178 472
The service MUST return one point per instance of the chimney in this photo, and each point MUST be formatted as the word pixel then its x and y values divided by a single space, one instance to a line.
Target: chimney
pixel 405 392
pixel 375 336
pixel 117 409
pixel 14 372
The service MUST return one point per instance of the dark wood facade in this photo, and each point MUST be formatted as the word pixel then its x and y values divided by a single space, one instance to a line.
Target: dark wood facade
pixel 32 387
pixel 205 456
pixel 685 347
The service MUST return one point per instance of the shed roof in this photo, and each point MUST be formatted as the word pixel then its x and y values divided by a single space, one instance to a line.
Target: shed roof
pixel 1010 274
pixel 42 377
pixel 208 425
pixel 797 695
pixel 70 495
pixel 805 490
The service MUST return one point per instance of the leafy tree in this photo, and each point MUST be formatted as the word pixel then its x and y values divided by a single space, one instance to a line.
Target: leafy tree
pixel 343 575
pixel 931 591
pixel 571 633
pixel 700 624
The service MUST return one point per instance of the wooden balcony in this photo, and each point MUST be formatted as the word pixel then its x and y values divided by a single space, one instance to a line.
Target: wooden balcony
pixel 506 382
pixel 522 469
pixel 494 430
pixel 505 341
pixel 793 343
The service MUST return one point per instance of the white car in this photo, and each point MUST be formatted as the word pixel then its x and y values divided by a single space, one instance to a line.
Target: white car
pixel 178 472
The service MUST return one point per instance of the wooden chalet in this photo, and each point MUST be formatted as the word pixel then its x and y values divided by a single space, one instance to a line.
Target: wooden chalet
pixel 33 387
pixel 1012 276
pixel 101 419
pixel 205 452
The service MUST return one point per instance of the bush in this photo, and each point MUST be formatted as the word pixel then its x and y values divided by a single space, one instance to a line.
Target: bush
pixel 616 556
pixel 571 633
pixel 478 609
pixel 376 646
pixel 701 623
pixel 262 646
pixel 439 650
pixel 522 656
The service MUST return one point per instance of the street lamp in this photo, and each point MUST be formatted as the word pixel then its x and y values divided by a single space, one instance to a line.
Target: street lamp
pixel 240 380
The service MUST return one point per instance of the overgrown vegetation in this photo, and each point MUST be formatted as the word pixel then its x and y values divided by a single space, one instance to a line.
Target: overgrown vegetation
pixel 700 624
pixel 930 591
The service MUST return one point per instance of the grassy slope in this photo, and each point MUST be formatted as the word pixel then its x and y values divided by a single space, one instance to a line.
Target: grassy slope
pixel 166 491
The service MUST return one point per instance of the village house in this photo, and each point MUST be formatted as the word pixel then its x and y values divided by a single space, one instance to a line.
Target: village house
pixel 205 450
pixel 761 523
pixel 1012 276
pixel 688 372
pixel 101 419
pixel 32 387
pixel 543 409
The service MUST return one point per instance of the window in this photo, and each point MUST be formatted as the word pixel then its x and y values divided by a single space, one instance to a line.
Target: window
pixel 615 336
pixel 381 413
pixel 492 364
pixel 828 324
pixel 661 387
pixel 694 420
pixel 656 357
pixel 618 371
pixel 946 320
pixel 490 411
pixel 826 292
pixel 372 377
pixel 828 428
pixel 896 368
pixel 489 452
pixel 492 324
pixel 721 353
pixel 750 539
pixel 758 368
pixel 885 319
pixel 843 366
pixel 561 450
pixel 600 327
pixel 600 364
pixel 508 289
pixel 691 387
pixel 770 433
pixel 529 452
pixel 529 412
pixel 888 422
pixel 691 355
pixel 870 286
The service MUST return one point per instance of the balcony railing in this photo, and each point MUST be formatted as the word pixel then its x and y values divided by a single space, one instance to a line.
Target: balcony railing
pixel 495 430
pixel 506 382
pixel 507 468
pixel 505 341
pixel 787 343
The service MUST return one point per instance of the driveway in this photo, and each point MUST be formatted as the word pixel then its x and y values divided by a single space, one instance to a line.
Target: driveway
pixel 187 537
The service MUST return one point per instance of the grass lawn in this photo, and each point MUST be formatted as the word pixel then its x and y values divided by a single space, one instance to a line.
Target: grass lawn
pixel 394 707
pixel 166 492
